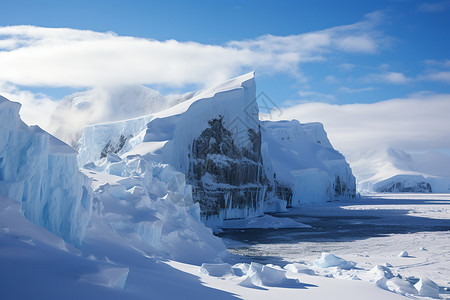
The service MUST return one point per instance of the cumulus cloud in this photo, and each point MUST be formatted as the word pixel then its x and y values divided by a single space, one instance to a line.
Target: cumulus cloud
pixel 417 123
pixel 36 56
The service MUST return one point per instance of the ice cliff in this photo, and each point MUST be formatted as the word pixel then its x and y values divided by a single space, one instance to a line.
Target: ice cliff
pixel 40 172
pixel 236 165
pixel 303 166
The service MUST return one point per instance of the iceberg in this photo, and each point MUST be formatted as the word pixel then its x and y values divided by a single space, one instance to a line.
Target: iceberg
pixel 236 165
pixel 40 172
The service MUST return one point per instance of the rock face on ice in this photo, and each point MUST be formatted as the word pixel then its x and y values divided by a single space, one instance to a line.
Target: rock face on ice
pixel 41 172
pixel 227 181
pixel 237 165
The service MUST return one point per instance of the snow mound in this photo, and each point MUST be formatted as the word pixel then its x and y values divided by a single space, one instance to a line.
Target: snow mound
pixel 427 288
pixel 41 172
pixel 328 260
pixel 241 269
pixel 299 268
pixel 217 270
pixel 379 272
pixel 403 254
pixel 264 222
pixel 397 285
pixel 264 275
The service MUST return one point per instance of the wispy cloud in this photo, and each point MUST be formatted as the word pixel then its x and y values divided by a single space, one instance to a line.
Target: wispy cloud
pixel 388 77
pixel 36 56
pixel 417 123
pixel 440 76
pixel 346 66
pixel 438 63
pixel 348 90
pixel 434 6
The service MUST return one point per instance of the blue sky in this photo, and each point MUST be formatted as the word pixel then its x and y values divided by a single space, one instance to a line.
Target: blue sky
pixel 413 35
pixel 334 52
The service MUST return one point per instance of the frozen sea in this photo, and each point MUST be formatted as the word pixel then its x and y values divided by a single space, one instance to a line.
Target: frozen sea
pixel 371 230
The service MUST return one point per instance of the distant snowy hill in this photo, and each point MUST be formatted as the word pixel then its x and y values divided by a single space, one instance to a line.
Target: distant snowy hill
pixel 394 170
pixel 105 105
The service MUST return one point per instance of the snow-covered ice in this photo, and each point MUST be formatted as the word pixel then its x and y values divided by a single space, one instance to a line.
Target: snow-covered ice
pixel 427 288
pixel 328 260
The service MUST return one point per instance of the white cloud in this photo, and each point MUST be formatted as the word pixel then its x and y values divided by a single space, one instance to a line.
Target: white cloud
pixel 439 63
pixel 434 7
pixel 417 123
pixel 442 76
pixel 346 67
pixel 389 77
pixel 36 56
pixel 311 96
pixel 331 79
pixel 36 108
pixel 348 90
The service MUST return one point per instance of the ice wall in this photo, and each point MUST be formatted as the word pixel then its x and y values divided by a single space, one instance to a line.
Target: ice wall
pixel 300 157
pixel 41 172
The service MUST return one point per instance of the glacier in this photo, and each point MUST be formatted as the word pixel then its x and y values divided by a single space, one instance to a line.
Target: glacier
pixel 40 172
pixel 236 165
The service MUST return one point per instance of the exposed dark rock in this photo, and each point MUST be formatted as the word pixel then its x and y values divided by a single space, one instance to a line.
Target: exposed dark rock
pixel 399 187
pixel 224 176
pixel 341 189
pixel 283 192
pixel 114 148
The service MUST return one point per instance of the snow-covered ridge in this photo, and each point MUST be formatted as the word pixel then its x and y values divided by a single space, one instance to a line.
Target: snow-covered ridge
pixel 40 172
pixel 237 165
